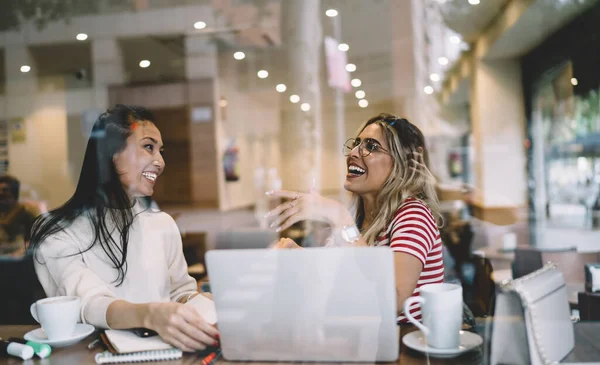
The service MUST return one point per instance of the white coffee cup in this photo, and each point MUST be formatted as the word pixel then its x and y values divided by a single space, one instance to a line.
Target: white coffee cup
pixel 509 241
pixel 57 315
pixel 441 310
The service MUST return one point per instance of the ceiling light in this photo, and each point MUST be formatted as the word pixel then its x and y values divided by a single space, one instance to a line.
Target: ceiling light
pixel 350 67
pixel 455 39
pixel 239 55
pixel 428 90
pixel 199 25
pixel 281 88
pixel 305 107
pixel 443 61
pixel 25 68
pixel 363 103
pixel 343 47
pixel 263 74
pixel 294 98
pixel 434 77
pixel 474 2
pixel 356 82
pixel 331 13
pixel 360 94
pixel 81 37
pixel 574 81
pixel 144 63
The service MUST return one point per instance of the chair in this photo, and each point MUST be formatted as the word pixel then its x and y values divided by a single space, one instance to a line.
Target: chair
pixel 20 288
pixel 526 261
pixel 570 262
pixel 479 288
pixel 589 306
pixel 194 248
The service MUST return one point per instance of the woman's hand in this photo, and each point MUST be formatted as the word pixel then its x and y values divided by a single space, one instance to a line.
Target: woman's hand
pixel 287 243
pixel 181 326
pixel 302 206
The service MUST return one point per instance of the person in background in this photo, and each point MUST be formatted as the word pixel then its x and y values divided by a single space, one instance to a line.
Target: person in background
pixel 16 219
pixel 122 259
pixel 395 199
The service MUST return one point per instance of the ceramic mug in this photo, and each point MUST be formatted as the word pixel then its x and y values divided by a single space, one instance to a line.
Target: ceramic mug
pixel 57 315
pixel 441 310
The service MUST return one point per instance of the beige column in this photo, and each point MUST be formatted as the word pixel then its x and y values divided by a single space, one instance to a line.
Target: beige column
pixel 200 57
pixel 405 48
pixel 206 136
pixel 21 89
pixel 301 130
pixel 107 69
pixel 39 160
pixel 498 120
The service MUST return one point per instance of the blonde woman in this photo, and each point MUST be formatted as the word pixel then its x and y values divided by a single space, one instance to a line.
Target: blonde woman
pixel 395 200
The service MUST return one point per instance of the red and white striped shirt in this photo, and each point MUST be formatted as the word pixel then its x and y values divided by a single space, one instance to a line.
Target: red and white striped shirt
pixel 414 231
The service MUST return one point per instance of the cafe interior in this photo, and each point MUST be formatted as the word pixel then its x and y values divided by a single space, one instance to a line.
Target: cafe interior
pixel 256 96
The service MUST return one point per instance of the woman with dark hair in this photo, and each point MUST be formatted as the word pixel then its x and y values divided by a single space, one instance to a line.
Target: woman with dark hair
pixel 123 260
pixel 395 200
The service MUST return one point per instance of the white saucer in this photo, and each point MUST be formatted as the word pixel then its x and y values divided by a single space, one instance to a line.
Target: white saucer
pixel 468 341
pixel 82 330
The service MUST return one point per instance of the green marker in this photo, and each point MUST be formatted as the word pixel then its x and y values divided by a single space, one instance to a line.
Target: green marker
pixel 41 349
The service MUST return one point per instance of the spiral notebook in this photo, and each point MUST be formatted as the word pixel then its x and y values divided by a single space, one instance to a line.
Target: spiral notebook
pixel 160 355
pixel 125 346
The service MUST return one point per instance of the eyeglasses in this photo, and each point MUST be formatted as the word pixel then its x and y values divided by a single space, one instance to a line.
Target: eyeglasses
pixel 365 146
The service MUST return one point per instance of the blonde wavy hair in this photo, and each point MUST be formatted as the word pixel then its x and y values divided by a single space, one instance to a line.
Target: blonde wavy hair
pixel 410 176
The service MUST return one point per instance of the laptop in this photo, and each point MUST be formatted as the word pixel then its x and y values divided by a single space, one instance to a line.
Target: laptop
pixel 318 304
pixel 245 238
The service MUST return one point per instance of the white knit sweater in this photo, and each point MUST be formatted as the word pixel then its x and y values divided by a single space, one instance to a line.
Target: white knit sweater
pixel 156 268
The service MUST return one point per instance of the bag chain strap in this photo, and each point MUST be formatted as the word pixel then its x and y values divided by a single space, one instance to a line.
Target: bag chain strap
pixel 528 304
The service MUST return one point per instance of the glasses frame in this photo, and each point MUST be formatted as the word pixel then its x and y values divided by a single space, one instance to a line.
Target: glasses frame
pixel 362 150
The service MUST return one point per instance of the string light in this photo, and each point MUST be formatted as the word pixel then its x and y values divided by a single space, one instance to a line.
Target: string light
pixel 331 13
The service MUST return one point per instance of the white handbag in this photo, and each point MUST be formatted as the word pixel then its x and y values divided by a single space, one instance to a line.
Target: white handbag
pixel 532 321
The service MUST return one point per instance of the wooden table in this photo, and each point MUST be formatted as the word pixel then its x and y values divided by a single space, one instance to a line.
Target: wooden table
pixel 587 348
pixel 78 354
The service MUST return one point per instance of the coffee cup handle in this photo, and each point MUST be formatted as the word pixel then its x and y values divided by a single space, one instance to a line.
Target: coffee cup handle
pixel 407 303
pixel 33 310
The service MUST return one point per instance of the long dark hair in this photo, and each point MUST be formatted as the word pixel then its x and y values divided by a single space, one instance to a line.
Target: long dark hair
pixel 100 195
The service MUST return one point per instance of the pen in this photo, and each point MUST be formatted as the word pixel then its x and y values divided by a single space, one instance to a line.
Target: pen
pixel 217 357
pixel 93 344
pixel 209 358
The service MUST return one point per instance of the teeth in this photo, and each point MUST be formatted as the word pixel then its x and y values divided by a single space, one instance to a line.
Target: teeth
pixel 355 169
pixel 150 175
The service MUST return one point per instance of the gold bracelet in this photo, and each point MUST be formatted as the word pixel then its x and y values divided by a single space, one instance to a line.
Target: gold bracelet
pixel 188 297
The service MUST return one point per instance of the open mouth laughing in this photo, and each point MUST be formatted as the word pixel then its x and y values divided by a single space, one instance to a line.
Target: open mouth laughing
pixel 355 171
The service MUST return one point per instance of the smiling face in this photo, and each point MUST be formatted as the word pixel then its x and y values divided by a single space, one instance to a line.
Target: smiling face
pixel 140 163
pixel 367 174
